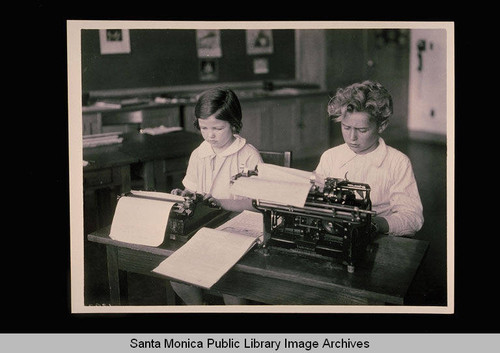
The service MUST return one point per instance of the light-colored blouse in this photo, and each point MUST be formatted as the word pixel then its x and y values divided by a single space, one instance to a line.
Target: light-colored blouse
pixel 211 173
pixel 388 172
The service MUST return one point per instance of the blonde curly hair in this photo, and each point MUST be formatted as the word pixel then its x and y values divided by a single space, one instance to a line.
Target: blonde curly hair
pixel 367 96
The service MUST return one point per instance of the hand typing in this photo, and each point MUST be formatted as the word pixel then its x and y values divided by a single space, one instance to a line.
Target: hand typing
pixel 183 193
pixel 211 201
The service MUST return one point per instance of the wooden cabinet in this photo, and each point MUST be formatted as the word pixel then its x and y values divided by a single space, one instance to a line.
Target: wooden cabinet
pixel 297 124
pixel 284 113
pixel 188 116
pixel 311 135
pixel 91 123
pixel 257 124
pixel 166 116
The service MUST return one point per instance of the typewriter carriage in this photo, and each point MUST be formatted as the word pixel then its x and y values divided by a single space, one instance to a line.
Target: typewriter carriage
pixel 186 216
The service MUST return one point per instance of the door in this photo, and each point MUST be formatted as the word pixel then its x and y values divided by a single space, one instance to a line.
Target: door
pixel 427 106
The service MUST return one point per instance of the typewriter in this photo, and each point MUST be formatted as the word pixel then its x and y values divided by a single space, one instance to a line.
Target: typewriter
pixel 186 216
pixel 334 224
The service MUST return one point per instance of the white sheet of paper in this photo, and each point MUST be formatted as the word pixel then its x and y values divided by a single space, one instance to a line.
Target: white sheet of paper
pixel 279 173
pixel 206 257
pixel 286 193
pixel 283 185
pixel 140 221
pixel 246 223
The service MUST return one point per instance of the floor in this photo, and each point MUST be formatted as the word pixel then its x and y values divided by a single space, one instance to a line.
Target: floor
pixel 429 163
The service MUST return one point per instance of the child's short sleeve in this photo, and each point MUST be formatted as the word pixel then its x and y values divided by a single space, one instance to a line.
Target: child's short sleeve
pixel 190 181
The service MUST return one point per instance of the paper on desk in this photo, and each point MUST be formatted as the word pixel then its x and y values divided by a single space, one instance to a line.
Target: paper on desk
pixel 140 221
pixel 160 130
pixel 101 141
pixel 246 223
pixel 282 185
pixel 206 257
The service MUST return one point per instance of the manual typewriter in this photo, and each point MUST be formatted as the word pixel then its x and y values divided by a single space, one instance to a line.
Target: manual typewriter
pixel 334 224
pixel 186 216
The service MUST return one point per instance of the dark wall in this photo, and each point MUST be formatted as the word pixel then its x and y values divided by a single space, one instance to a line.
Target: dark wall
pixel 168 57
pixel 355 55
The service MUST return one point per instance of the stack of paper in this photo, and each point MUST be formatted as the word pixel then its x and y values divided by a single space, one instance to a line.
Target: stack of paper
pixel 160 130
pixel 101 139
pixel 119 103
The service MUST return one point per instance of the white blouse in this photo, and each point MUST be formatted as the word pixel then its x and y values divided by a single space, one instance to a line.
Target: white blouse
pixel 388 172
pixel 211 173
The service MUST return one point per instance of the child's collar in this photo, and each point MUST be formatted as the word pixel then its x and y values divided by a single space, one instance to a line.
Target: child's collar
pixel 206 149
pixel 376 158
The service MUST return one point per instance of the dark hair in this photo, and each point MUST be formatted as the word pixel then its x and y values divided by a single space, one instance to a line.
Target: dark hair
pixel 222 102
pixel 368 96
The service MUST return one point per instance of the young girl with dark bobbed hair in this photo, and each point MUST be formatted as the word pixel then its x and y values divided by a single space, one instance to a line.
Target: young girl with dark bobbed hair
pixel 221 155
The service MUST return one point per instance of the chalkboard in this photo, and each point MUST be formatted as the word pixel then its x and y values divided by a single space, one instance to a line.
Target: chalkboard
pixel 169 57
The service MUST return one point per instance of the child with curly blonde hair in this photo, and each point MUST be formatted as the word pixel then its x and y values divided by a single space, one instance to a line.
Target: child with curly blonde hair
pixel 363 110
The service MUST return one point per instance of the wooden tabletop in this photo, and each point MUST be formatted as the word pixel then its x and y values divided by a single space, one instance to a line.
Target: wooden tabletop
pixel 107 156
pixel 383 276
pixel 146 147
pixel 137 147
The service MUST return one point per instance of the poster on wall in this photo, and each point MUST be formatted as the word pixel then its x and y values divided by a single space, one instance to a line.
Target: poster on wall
pixel 208 43
pixel 260 66
pixel 209 70
pixel 114 41
pixel 259 41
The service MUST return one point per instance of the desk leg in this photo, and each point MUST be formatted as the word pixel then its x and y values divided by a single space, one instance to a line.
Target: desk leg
pixel 160 179
pixel 113 275
pixel 170 294
pixel 148 176
pixel 125 179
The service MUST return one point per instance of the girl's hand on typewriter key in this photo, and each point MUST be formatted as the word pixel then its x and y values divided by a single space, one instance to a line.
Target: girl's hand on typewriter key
pixel 211 201
pixel 183 193
pixel 177 192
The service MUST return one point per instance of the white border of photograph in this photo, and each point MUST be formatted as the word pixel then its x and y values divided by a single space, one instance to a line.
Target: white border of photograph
pixel 76 170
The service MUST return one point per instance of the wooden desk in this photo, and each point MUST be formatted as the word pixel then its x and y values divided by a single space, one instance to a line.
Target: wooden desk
pixel 382 278
pixel 107 166
pixel 163 159
pixel 106 176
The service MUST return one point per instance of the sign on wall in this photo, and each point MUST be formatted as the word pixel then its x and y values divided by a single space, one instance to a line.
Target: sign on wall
pixel 259 41
pixel 114 41
pixel 208 43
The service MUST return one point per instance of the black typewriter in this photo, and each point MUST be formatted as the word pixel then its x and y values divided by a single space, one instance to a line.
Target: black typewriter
pixel 186 216
pixel 335 222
